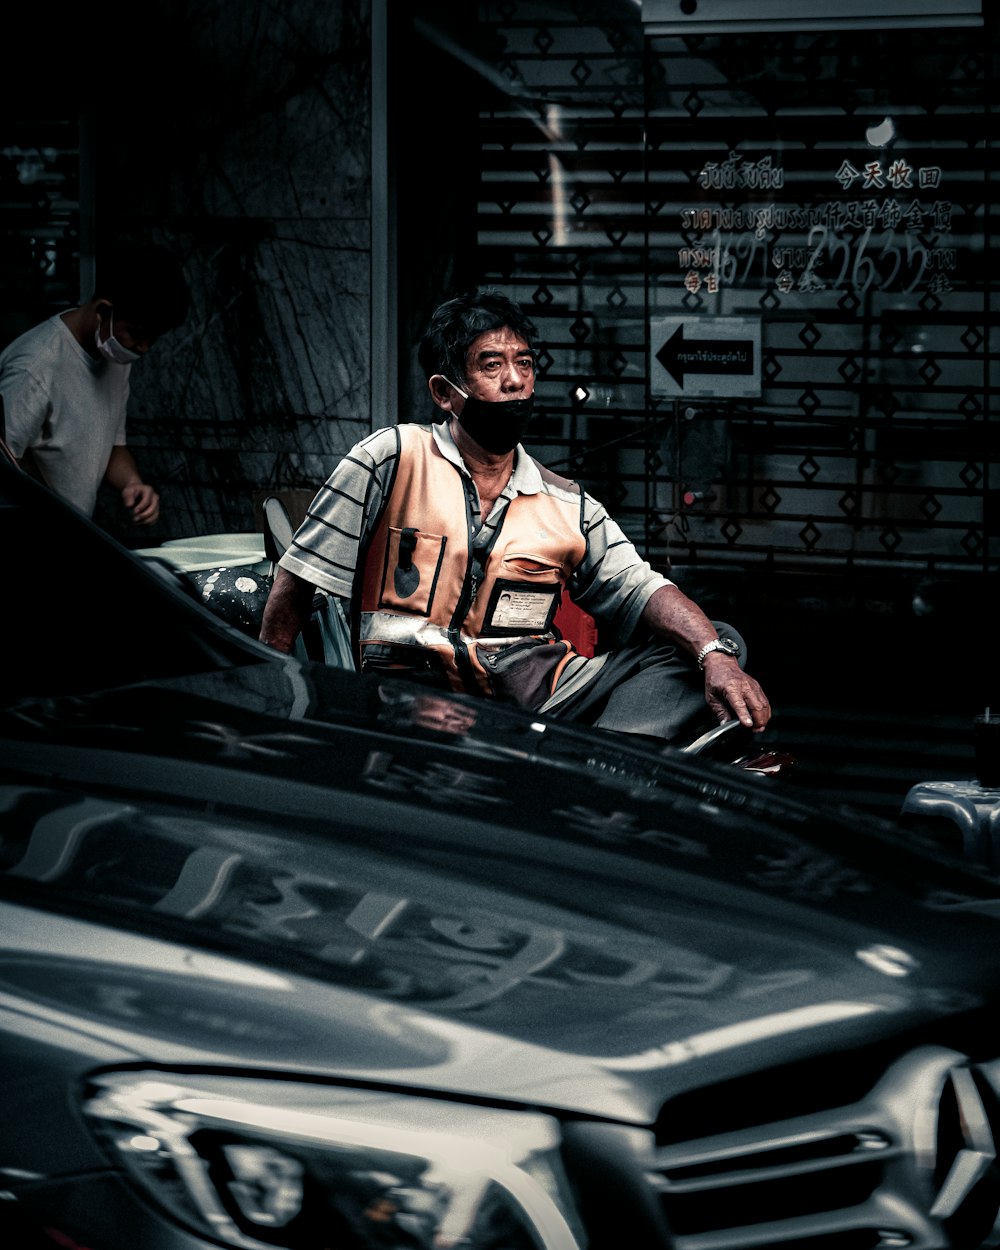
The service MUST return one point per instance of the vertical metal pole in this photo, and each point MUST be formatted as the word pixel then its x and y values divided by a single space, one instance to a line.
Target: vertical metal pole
pixel 88 229
pixel 991 243
pixel 383 295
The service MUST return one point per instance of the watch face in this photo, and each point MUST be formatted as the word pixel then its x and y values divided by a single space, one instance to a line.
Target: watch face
pixel 730 646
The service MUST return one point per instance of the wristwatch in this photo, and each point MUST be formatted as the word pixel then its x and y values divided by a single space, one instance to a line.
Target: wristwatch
pixel 728 645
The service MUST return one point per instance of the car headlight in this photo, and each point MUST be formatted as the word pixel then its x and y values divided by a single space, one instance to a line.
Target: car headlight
pixel 264 1163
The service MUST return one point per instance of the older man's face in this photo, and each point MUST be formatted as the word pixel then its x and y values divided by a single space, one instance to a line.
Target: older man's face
pixel 500 365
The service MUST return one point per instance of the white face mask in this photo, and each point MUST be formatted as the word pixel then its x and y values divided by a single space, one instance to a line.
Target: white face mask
pixel 111 349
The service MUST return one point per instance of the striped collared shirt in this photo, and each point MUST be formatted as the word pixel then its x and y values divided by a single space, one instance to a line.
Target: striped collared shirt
pixel 612 582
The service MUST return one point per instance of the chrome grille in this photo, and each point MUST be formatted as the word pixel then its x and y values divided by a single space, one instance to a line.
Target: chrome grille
pixel 910 1164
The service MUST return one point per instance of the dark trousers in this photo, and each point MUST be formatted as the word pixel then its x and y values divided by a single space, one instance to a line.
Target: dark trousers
pixel 650 687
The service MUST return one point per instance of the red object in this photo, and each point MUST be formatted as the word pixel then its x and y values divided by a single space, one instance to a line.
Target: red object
pixel 63 1239
pixel 576 626
pixel 767 763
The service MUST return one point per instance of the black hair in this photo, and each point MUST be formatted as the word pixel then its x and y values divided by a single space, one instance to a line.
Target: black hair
pixel 146 285
pixel 456 323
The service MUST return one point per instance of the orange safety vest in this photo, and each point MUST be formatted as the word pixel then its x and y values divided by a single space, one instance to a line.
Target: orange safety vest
pixel 435 606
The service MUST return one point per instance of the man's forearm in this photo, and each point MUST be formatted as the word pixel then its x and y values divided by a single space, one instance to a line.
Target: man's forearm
pixel 670 613
pixel 287 610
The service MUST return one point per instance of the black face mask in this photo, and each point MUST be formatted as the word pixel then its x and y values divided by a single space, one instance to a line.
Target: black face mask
pixel 498 426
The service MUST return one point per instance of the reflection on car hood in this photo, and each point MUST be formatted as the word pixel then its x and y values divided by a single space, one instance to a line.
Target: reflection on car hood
pixel 293 866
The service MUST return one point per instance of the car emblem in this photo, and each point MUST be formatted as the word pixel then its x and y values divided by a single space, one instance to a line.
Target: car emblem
pixel 966 1153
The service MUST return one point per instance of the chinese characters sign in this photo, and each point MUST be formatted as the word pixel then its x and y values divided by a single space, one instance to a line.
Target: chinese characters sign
pixel 893 235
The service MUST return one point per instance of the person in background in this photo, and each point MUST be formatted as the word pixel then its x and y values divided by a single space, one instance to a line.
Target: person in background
pixel 452 547
pixel 65 382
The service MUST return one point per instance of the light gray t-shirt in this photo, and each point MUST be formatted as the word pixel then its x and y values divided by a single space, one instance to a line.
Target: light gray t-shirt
pixel 64 407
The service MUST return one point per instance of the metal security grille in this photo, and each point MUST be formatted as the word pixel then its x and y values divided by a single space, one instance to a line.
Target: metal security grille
pixel 823 196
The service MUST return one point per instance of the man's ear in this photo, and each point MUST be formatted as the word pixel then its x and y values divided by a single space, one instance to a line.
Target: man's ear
pixel 442 392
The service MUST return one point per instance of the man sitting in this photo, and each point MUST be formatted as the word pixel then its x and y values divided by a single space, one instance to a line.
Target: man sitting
pixel 452 546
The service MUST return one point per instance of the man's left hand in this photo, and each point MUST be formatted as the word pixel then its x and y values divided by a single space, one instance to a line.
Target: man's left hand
pixel 730 692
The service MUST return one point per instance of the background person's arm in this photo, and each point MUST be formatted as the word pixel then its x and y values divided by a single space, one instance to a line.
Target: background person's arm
pixel 138 496
pixel 26 408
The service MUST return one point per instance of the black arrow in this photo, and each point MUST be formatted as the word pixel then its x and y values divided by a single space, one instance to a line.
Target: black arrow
pixel 704 356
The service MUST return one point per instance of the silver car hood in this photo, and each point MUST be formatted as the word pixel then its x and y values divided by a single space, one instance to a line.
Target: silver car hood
pixel 451 899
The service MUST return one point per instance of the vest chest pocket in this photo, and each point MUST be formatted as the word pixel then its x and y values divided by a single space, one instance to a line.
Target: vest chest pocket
pixel 411 570
pixel 527 566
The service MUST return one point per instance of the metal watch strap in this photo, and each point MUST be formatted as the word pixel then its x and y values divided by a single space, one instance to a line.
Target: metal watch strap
pixel 715 645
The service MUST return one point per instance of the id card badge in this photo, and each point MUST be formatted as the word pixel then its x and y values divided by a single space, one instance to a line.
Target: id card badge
pixel 516 608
